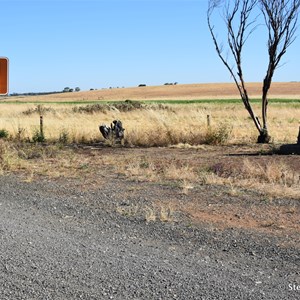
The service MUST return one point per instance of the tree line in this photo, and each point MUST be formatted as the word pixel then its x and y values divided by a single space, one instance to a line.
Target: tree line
pixel 65 90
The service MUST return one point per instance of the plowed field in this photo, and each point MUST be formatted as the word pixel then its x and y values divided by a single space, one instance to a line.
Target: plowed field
pixel 290 90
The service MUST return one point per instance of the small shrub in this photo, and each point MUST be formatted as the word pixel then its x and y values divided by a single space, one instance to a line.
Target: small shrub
pixel 3 134
pixel 128 105
pixel 38 136
pixel 219 135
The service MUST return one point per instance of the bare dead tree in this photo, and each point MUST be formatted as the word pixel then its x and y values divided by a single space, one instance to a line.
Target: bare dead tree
pixel 280 18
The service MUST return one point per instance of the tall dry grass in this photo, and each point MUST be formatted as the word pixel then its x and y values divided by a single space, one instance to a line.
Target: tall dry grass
pixel 151 126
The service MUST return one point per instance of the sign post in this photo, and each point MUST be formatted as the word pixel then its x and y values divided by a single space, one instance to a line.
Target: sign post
pixel 3 75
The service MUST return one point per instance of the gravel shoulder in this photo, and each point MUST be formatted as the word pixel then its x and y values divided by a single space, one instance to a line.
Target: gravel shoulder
pixel 63 240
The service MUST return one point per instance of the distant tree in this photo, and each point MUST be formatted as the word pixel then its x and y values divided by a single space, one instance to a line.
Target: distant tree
pixel 280 18
pixel 71 90
pixel 66 89
pixel 77 89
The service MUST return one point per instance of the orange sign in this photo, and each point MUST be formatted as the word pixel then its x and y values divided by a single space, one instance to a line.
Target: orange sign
pixel 3 76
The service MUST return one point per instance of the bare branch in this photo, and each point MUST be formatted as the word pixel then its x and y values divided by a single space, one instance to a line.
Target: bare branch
pixel 281 18
pixel 239 27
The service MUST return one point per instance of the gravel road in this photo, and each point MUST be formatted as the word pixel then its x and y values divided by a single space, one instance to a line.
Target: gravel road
pixel 60 240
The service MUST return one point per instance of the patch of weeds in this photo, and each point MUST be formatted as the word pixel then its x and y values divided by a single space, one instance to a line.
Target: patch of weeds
pixel 150 214
pixel 186 187
pixel 128 210
pixel 162 213
pixel 233 191
pixel 166 214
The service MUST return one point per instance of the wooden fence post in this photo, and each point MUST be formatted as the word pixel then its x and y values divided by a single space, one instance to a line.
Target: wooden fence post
pixel 208 121
pixel 41 126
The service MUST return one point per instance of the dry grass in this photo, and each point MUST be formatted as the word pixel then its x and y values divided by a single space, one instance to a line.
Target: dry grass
pixel 157 125
pixel 33 160
pixel 185 176
pixel 158 212
pixel 152 126
pixel 270 179
pixel 182 126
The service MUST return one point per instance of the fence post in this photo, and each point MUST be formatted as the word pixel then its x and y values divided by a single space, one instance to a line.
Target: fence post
pixel 208 121
pixel 41 126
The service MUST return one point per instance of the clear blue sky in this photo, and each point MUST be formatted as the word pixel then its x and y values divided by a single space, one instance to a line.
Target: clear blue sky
pixel 103 43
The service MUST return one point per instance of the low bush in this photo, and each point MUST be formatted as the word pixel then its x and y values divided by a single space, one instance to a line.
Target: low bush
pixel 38 136
pixel 3 134
pixel 39 109
pixel 90 109
pixel 127 105
pixel 219 135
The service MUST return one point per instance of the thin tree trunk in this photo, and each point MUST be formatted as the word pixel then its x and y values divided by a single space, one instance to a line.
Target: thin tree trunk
pixel 264 136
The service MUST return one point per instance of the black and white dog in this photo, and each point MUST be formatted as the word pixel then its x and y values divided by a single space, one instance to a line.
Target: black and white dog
pixel 115 131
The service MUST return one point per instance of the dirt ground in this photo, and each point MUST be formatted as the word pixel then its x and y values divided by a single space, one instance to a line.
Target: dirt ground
pixel 98 222
pixel 203 204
